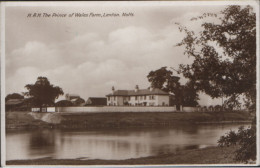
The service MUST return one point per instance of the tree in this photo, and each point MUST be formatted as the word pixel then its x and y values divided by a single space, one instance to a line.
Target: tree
pixel 224 55
pixel 245 138
pixel 190 96
pixel 13 96
pixel 183 94
pixel 42 92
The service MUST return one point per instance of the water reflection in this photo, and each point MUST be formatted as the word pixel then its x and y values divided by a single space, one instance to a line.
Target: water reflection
pixel 42 142
pixel 111 144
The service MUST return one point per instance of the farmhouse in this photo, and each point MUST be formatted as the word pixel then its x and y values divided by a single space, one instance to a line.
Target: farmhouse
pixel 138 97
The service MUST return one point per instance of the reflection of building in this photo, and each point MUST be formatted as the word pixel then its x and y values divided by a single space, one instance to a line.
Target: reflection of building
pixel 138 97
pixel 96 101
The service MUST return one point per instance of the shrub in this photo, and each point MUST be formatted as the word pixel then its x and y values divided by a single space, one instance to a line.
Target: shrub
pixel 245 138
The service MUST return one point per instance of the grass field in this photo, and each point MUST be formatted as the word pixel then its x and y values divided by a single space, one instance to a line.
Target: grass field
pixel 15 120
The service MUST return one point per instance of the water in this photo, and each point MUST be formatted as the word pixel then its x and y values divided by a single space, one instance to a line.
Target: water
pixel 111 144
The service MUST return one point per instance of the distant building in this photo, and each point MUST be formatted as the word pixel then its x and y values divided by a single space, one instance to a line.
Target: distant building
pixel 13 104
pixel 71 96
pixel 75 99
pixel 96 101
pixel 78 101
pixel 138 97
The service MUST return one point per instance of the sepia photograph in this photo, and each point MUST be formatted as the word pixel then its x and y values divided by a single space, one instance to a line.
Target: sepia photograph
pixel 130 83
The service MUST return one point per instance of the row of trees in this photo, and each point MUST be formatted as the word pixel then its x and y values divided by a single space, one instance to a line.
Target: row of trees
pixel 41 94
pixel 224 63
pixel 224 56
pixel 164 79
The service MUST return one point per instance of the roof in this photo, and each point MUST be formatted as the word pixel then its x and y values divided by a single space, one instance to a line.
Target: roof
pixel 96 101
pixel 154 91
pixel 72 95
pixel 14 101
pixel 73 100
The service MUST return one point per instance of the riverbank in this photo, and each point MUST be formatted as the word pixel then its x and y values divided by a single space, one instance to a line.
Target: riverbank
pixel 26 120
pixel 210 155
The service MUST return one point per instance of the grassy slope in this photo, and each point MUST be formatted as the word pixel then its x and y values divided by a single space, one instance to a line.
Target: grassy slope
pixel 212 155
pixel 103 120
pixel 114 120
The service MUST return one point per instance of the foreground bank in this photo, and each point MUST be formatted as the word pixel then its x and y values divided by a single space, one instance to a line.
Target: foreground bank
pixel 210 155
pixel 25 120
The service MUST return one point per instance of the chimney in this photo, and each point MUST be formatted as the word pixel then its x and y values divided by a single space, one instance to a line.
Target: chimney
pixel 113 89
pixel 136 88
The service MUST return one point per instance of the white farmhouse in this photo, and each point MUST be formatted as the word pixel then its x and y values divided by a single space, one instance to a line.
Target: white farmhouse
pixel 138 97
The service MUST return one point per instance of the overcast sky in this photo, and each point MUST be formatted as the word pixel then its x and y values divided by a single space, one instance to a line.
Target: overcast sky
pixel 87 56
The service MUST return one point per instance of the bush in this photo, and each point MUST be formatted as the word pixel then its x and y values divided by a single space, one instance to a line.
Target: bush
pixel 245 138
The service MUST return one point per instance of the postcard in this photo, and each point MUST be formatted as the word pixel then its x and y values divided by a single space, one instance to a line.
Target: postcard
pixel 130 83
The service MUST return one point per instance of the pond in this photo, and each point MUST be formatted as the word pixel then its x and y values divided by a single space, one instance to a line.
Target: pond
pixel 111 144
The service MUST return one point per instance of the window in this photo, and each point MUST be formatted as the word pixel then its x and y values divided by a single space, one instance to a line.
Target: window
pixel 141 97
pixel 135 97
pixel 108 98
pixel 114 97
pixel 144 97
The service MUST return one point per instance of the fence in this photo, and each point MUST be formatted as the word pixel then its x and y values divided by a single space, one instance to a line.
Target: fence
pixel 189 109
pixel 44 109
pixel 115 109
pixel 92 109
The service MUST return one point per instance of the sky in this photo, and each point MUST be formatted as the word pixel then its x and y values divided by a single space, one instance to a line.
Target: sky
pixel 89 55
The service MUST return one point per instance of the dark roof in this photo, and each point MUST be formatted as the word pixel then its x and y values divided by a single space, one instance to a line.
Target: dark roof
pixel 96 101
pixel 14 101
pixel 72 95
pixel 155 91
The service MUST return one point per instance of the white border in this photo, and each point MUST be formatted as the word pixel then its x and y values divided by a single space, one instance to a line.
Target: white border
pixel 122 3
pixel 257 83
pixel 3 148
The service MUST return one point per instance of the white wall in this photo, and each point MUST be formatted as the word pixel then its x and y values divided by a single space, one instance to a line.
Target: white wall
pixel 189 109
pixel 115 109
pixel 35 109
pixel 119 101
pixel 44 109
pixel 163 98
pixel 51 109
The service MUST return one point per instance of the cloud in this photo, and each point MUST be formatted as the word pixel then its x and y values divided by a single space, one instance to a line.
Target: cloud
pixel 90 58
pixel 85 63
